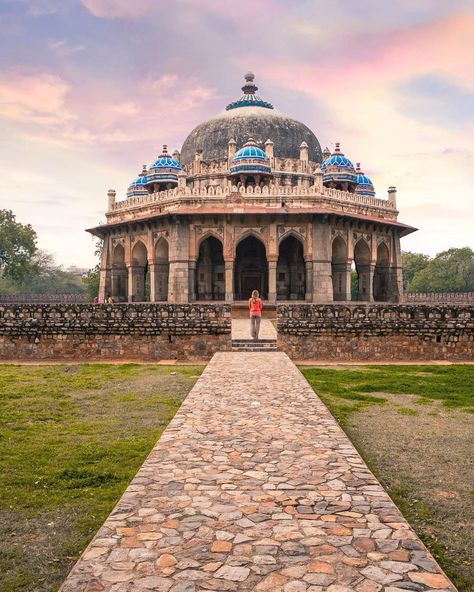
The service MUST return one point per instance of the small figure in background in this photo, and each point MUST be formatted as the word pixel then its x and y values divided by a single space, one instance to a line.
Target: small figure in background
pixel 96 300
pixel 255 306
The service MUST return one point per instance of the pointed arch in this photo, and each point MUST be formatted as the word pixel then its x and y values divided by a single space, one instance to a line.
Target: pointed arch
pixel 119 275
pixel 340 269
pixel 362 267
pixel 210 269
pixel 381 285
pixel 159 277
pixel 250 266
pixel 291 274
pixel 140 278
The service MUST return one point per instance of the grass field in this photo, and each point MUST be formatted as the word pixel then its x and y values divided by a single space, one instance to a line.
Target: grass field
pixel 414 426
pixel 71 439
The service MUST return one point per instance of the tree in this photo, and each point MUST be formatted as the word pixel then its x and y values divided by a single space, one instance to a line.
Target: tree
pixel 92 279
pixel 412 264
pixel 449 271
pixel 17 246
pixel 43 276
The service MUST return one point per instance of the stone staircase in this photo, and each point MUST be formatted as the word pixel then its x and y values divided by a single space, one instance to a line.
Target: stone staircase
pixel 254 345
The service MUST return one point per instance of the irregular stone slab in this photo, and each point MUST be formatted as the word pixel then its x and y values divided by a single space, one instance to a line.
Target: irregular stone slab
pixel 253 486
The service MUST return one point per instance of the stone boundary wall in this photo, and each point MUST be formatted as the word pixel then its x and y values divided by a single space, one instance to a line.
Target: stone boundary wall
pixel 113 331
pixel 43 298
pixel 441 297
pixel 376 332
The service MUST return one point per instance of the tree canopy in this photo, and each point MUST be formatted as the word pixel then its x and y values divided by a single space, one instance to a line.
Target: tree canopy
pixel 17 246
pixel 449 271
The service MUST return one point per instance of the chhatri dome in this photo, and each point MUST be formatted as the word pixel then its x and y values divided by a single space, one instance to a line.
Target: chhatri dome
pixel 250 116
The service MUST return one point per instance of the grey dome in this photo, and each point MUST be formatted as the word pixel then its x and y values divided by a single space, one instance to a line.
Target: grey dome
pixel 250 116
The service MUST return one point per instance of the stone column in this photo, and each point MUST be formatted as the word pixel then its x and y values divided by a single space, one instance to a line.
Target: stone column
pixel 178 286
pixel 105 279
pixel 322 256
pixel 229 280
pixel 309 280
pixel 136 283
pixel 341 281
pixel 396 272
pixel 192 280
pixel 272 283
pixel 366 282
pixel 153 277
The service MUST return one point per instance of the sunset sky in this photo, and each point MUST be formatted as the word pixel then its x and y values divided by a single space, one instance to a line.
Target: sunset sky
pixel 91 89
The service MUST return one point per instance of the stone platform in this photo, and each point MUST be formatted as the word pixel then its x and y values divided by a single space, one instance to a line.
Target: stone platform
pixel 253 486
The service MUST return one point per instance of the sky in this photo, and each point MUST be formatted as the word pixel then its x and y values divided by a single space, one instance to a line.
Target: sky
pixel 91 89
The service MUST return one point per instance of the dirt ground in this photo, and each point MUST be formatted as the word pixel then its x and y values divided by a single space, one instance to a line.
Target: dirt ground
pixel 424 456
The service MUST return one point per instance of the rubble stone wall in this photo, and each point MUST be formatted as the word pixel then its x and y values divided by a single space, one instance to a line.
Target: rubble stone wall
pixel 376 332
pixel 440 297
pixel 113 331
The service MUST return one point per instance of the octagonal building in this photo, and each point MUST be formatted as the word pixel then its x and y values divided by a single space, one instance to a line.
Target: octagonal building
pixel 251 202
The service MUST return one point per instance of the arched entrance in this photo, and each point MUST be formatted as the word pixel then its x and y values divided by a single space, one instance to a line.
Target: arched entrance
pixel 210 276
pixel 339 269
pixel 119 275
pixel 291 276
pixel 362 265
pixel 250 269
pixel 161 271
pixel 382 274
pixel 138 271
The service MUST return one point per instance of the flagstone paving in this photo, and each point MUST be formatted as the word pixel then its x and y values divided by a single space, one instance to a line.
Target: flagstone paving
pixel 241 329
pixel 253 486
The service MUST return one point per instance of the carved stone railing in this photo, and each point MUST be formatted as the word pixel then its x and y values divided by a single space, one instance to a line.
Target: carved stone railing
pixel 267 196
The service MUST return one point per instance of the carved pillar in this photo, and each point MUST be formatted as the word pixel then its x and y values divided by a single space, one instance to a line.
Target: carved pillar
pixel 322 256
pixel 178 290
pixel 153 276
pixel 136 283
pixel 192 280
pixel 272 283
pixel 346 282
pixel 309 280
pixel 396 292
pixel 229 280
pixel 105 281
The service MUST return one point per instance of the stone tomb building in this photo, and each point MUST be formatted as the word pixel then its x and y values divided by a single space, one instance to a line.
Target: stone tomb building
pixel 251 202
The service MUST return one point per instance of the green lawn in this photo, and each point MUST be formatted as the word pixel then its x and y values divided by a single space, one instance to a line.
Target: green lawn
pixel 414 427
pixel 71 439
pixel 346 391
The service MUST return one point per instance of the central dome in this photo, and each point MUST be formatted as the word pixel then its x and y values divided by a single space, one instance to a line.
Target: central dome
pixel 250 116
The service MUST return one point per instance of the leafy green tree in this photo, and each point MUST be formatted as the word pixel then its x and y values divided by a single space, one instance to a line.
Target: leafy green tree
pixel 449 271
pixel 43 276
pixel 354 285
pixel 412 264
pixel 17 246
pixel 91 282
pixel 92 279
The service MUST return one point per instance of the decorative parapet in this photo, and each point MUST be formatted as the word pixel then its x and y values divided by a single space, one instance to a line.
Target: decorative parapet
pixel 268 196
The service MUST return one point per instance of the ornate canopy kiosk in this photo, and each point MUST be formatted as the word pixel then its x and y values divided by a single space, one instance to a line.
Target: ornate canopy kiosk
pixel 251 202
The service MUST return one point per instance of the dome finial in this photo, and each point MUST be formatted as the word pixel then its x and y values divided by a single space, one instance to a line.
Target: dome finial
pixel 249 88
pixel 165 148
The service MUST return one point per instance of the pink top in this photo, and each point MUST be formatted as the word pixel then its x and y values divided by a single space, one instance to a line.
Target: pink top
pixel 255 307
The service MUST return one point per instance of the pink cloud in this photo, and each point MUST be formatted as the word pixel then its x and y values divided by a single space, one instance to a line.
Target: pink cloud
pixel 437 46
pixel 119 8
pixel 126 9
pixel 34 97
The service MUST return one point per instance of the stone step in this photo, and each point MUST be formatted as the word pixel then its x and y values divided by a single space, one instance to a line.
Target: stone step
pixel 255 349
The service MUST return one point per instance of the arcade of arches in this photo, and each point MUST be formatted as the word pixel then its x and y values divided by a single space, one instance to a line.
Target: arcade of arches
pixel 297 265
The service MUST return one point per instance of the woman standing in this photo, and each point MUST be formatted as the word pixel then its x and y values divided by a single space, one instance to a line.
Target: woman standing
pixel 255 306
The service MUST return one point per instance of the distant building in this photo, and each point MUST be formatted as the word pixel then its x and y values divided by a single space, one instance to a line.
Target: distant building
pixel 79 271
pixel 251 202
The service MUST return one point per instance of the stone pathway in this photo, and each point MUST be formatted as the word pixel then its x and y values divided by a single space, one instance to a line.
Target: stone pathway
pixel 241 329
pixel 253 486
